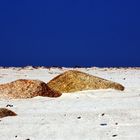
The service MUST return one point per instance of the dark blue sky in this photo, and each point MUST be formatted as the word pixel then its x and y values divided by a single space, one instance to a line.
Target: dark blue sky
pixel 70 32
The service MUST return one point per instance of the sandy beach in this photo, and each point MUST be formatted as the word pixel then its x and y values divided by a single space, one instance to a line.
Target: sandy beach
pixel 87 115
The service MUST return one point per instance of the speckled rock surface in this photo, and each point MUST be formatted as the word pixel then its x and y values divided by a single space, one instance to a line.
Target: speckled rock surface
pixel 73 80
pixel 22 88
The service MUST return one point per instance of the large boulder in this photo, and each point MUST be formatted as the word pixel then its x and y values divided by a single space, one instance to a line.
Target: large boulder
pixel 26 89
pixel 73 80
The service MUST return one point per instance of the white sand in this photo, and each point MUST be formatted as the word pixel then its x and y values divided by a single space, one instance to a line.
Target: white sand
pixel 87 115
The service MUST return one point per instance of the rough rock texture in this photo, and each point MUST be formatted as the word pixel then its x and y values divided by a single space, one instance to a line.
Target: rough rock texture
pixel 26 89
pixel 72 80
pixel 6 112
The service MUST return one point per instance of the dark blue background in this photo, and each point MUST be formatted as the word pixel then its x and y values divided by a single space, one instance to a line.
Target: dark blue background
pixel 70 32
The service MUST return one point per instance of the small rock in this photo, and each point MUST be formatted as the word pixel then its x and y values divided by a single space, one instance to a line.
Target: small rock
pixel 103 124
pixel 4 112
pixel 102 114
pixel 8 105
pixel 114 135
pixel 79 117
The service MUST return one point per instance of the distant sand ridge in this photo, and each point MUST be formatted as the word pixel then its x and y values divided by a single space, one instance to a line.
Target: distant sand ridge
pixel 6 112
pixel 72 80
pixel 26 89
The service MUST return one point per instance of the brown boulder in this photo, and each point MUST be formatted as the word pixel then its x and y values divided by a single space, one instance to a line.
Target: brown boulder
pixel 6 112
pixel 26 89
pixel 72 80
